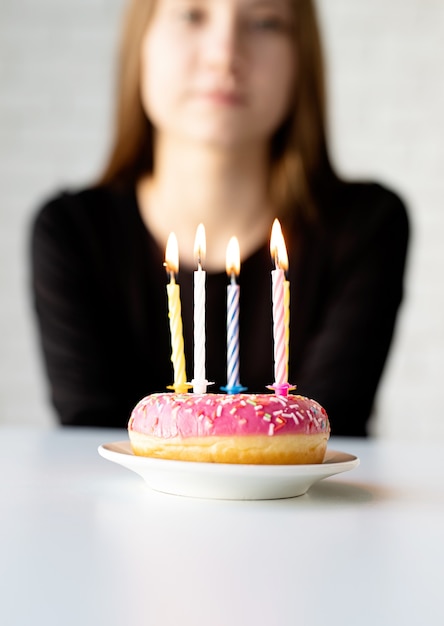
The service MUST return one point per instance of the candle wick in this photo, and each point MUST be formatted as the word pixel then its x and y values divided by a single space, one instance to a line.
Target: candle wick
pixel 276 261
pixel 170 273
pixel 233 278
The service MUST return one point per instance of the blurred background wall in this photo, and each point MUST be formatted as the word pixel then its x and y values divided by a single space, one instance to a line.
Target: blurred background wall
pixel 386 83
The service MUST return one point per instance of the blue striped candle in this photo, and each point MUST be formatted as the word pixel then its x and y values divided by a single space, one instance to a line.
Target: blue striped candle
pixel 233 294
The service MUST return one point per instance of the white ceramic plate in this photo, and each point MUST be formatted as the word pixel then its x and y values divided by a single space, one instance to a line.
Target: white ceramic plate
pixel 226 481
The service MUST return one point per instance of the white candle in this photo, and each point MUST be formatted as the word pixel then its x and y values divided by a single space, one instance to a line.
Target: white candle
pixel 199 381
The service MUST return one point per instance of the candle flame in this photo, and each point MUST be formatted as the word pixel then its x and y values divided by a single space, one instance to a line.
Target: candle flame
pixel 172 254
pixel 233 257
pixel 278 248
pixel 200 245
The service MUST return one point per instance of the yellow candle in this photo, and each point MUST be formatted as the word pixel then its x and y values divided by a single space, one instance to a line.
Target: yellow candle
pixel 287 321
pixel 175 317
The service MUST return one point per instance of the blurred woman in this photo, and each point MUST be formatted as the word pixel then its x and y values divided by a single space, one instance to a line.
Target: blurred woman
pixel 220 119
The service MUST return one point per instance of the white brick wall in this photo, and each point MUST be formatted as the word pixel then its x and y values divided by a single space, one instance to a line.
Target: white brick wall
pixel 385 59
pixel 56 69
pixel 387 102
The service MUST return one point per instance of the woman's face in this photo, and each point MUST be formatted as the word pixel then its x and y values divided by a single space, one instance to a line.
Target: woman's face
pixel 219 71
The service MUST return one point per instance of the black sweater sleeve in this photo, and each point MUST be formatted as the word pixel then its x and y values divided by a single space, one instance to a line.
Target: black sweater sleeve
pixel 69 329
pixel 77 275
pixel 360 290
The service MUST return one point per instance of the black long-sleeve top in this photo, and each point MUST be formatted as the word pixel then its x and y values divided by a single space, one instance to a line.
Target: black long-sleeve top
pixel 99 288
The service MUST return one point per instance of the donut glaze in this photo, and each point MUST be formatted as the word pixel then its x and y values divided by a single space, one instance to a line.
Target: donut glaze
pixel 239 428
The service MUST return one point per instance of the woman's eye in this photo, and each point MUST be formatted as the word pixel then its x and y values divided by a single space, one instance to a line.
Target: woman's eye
pixel 192 15
pixel 268 23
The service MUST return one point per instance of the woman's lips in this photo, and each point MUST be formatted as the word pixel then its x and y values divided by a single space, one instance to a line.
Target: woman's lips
pixel 222 97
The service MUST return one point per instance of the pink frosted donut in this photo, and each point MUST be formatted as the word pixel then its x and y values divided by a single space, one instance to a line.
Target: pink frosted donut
pixel 239 428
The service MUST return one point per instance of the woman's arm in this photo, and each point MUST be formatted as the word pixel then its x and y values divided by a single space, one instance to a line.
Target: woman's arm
pixel 345 357
pixel 70 314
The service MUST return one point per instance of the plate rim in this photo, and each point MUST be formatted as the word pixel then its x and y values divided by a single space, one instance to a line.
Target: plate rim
pixel 126 456
pixel 227 481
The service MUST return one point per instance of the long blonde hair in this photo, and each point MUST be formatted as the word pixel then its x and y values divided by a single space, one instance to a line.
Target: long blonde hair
pixel 300 167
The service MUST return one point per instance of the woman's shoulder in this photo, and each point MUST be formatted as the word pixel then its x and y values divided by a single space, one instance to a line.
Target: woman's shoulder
pixel 84 226
pixel 366 207
pixel 365 218
pixel 94 216
pixel 366 200
pixel 83 206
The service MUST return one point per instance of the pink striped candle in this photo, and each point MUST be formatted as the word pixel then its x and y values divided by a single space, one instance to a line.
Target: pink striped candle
pixel 281 310
pixel 280 368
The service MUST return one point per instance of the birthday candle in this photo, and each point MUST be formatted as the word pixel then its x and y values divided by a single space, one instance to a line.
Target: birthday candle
pixel 233 293
pixel 279 327
pixel 199 381
pixel 283 264
pixel 287 323
pixel 175 316
pixel 280 306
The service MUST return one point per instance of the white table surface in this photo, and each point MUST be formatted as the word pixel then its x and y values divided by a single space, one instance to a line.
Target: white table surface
pixel 84 541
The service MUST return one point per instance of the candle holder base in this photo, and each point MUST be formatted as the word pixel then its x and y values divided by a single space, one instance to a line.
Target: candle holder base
pixel 234 389
pixel 180 387
pixel 200 386
pixel 281 389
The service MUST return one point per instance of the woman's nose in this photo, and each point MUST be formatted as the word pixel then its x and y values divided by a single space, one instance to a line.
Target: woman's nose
pixel 223 45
